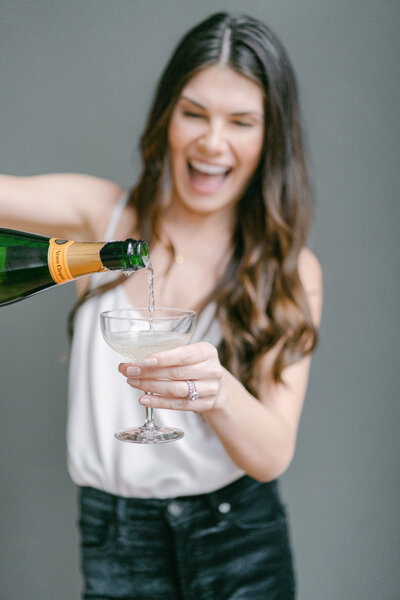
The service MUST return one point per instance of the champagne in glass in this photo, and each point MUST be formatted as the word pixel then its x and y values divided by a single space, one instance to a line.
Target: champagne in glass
pixel 135 333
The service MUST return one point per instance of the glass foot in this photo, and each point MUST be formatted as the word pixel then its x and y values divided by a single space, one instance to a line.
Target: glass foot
pixel 150 434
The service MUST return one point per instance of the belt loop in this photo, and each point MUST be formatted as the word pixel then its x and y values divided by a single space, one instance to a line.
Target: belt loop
pixel 120 508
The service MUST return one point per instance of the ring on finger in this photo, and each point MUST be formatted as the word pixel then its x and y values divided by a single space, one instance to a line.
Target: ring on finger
pixel 193 393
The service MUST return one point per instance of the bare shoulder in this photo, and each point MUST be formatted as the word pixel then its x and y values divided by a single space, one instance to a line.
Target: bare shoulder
pixel 98 197
pixel 310 272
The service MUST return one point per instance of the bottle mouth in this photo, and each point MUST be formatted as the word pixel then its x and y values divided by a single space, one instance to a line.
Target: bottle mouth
pixel 143 249
pixel 139 249
pixel 128 255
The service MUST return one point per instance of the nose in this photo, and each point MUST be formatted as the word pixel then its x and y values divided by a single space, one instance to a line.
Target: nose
pixel 213 141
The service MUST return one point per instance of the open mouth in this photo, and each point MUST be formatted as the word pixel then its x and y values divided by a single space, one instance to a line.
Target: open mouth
pixel 207 177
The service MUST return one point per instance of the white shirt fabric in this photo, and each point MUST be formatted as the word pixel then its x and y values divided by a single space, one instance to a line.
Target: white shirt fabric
pixel 102 403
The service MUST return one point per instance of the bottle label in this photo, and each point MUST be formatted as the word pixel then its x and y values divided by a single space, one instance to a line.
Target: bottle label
pixel 57 260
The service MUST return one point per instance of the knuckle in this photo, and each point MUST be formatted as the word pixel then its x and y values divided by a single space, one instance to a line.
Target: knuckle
pixel 216 371
pixel 208 349
pixel 214 388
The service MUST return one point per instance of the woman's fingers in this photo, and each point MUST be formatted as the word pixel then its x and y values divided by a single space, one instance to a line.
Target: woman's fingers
pixel 183 355
pixel 174 389
pixel 196 361
pixel 181 373
pixel 198 406
pixel 163 377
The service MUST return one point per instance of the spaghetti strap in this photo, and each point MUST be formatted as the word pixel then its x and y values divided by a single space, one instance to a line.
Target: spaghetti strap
pixel 97 278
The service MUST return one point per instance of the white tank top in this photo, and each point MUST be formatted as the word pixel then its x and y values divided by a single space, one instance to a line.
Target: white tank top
pixel 102 403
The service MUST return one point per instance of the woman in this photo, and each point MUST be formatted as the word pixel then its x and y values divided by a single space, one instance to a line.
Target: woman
pixel 223 200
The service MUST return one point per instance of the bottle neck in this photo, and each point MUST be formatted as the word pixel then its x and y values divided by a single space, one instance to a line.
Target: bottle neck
pixel 128 255
pixel 68 259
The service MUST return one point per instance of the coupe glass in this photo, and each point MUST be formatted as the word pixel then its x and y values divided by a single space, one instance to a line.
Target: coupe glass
pixel 135 334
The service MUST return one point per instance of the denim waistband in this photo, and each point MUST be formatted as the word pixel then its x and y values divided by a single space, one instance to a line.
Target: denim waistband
pixel 215 498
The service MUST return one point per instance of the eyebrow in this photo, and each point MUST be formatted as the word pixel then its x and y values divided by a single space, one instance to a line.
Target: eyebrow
pixel 242 113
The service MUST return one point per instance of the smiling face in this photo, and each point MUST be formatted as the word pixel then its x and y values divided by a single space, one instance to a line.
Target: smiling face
pixel 215 139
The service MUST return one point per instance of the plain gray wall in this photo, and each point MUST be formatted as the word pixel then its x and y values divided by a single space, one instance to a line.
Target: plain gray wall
pixel 75 84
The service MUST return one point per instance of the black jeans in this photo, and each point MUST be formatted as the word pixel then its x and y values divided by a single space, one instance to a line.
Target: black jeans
pixel 231 544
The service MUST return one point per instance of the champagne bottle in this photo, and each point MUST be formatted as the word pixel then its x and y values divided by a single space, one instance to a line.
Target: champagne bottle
pixel 31 263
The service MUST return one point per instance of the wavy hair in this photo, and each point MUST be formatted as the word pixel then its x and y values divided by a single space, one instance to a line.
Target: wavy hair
pixel 260 301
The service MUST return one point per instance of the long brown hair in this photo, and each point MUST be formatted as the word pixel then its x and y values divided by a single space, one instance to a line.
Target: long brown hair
pixel 260 300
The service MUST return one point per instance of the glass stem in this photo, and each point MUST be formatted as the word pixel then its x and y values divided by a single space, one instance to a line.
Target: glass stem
pixel 149 416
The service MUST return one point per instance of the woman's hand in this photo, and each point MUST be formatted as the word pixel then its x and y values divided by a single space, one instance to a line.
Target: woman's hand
pixel 163 378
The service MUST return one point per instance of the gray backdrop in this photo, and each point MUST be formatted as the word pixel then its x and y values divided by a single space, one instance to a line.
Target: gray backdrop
pixel 75 84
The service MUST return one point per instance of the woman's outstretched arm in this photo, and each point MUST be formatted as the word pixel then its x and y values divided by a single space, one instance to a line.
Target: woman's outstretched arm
pixel 70 206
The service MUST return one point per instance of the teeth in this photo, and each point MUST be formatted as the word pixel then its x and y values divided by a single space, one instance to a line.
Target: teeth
pixel 208 169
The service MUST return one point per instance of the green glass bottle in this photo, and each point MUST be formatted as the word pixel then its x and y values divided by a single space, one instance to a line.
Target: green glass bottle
pixel 31 263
